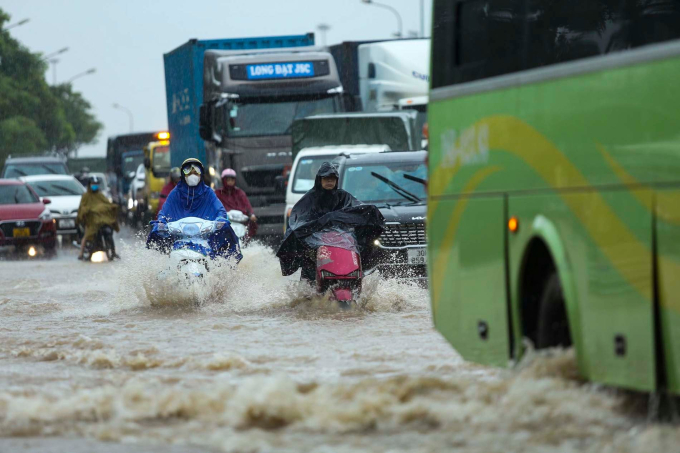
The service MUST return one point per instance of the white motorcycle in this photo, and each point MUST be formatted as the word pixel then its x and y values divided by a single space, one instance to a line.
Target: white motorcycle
pixel 239 223
pixel 191 252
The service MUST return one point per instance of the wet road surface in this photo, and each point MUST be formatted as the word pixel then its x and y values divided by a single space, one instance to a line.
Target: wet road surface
pixel 102 358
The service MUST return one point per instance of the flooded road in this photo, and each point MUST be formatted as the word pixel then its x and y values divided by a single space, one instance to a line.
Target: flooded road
pixel 99 358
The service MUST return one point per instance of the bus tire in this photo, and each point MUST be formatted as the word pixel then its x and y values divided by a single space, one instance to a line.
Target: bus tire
pixel 553 323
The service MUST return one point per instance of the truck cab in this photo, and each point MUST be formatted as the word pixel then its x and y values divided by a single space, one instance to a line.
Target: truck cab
pixel 251 99
pixel 157 165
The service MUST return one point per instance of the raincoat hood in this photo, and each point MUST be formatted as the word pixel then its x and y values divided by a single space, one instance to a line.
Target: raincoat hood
pixel 185 201
pixel 326 169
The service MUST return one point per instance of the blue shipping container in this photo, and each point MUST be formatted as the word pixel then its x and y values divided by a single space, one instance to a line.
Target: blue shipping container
pixel 184 87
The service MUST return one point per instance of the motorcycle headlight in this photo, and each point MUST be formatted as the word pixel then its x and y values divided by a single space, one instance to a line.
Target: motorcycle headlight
pixel 174 230
pixel 191 229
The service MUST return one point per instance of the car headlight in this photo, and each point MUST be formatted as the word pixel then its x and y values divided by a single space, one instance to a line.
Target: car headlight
pixel 130 203
pixel 46 215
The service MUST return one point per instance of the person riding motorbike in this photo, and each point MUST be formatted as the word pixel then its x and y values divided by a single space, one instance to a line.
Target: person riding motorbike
pixel 322 206
pixel 167 188
pixel 95 211
pixel 233 197
pixel 192 198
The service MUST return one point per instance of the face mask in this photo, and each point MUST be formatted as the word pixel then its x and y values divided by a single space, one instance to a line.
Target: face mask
pixel 95 188
pixel 193 180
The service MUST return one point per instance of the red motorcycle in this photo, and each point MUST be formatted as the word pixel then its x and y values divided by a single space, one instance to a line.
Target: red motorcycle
pixel 338 265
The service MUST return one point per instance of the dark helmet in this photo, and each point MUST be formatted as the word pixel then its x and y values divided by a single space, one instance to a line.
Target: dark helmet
pixel 175 174
pixel 189 162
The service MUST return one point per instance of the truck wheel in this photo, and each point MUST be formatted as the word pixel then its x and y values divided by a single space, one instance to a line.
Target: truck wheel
pixel 553 324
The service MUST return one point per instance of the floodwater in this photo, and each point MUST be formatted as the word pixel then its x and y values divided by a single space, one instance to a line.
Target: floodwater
pixel 102 358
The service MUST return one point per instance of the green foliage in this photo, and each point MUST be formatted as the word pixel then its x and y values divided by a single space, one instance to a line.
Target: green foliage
pixel 35 117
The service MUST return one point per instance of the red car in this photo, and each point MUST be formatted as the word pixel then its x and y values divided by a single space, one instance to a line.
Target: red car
pixel 24 219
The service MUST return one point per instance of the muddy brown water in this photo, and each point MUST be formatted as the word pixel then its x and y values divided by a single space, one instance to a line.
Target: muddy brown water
pixel 104 358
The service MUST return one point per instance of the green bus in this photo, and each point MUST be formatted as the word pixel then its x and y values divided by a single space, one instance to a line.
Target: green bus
pixel 554 184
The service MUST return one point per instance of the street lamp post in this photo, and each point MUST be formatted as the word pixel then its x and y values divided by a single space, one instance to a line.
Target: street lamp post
pixel 54 62
pixel 21 22
pixel 82 74
pixel 54 54
pixel 422 18
pixel 396 13
pixel 323 28
pixel 120 107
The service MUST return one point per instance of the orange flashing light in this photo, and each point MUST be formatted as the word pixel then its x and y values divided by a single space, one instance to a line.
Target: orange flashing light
pixel 513 224
pixel 163 135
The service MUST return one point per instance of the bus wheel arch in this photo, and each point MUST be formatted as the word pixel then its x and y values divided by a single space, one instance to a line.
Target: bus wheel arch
pixel 547 296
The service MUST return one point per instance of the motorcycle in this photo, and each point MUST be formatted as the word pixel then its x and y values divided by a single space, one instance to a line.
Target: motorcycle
pixel 102 246
pixel 338 264
pixel 239 223
pixel 193 244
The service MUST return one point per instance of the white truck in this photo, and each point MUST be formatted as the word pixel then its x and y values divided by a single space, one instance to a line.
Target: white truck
pixel 394 75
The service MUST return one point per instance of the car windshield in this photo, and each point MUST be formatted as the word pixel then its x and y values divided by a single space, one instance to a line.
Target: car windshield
pixel 273 118
pixel 57 188
pixel 130 163
pixel 17 170
pixel 17 194
pixel 305 172
pixel 161 161
pixel 360 182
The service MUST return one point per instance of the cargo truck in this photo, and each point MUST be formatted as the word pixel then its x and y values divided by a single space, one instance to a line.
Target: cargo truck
pixel 124 154
pixel 231 103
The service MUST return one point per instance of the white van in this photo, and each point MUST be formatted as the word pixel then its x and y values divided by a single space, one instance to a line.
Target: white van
pixel 307 163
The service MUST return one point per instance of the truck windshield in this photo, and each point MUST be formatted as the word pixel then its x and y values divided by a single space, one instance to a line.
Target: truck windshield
pixel 305 172
pixel 130 163
pixel 161 160
pixel 16 194
pixel 273 118
pixel 360 182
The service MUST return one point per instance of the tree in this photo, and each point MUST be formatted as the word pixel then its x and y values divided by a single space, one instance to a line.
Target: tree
pixel 35 117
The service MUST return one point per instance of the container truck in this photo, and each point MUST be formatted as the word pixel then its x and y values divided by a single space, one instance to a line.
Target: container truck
pixel 231 103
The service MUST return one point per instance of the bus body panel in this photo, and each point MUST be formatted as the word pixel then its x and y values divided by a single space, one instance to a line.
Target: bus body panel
pixel 469 269
pixel 613 276
pixel 668 262
pixel 604 141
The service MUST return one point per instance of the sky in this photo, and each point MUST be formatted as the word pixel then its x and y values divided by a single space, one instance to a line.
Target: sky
pixel 124 40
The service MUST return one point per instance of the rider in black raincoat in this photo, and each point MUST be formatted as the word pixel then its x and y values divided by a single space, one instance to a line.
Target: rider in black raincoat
pixel 321 209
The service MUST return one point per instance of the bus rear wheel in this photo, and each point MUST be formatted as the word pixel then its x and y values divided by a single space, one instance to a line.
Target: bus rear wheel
pixel 553 324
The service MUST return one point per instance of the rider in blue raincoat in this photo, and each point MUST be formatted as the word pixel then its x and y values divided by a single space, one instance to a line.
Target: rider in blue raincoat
pixel 192 198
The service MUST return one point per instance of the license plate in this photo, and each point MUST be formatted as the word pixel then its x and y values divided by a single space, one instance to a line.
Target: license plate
pixel 417 256
pixel 67 223
pixel 22 232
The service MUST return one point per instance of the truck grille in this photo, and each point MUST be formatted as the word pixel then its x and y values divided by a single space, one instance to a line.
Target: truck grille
pixel 403 235
pixel 8 227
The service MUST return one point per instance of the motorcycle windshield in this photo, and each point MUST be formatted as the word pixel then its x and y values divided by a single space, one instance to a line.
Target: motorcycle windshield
pixel 333 237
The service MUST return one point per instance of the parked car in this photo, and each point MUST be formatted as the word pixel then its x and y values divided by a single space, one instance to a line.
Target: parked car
pixel 307 163
pixel 25 221
pixel 48 164
pixel 396 183
pixel 65 192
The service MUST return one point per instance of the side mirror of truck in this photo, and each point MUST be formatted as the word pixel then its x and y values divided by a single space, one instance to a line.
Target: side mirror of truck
pixel 147 163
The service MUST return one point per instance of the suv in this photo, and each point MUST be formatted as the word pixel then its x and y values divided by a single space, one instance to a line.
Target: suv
pixel 48 164
pixel 394 182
